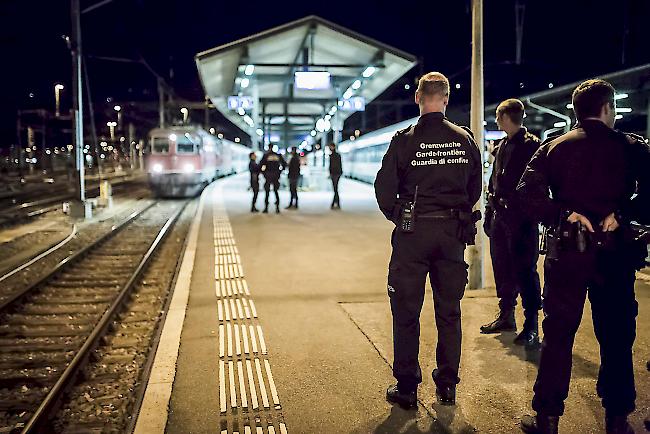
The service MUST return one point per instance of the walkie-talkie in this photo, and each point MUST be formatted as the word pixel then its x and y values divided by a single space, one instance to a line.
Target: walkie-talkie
pixel 407 216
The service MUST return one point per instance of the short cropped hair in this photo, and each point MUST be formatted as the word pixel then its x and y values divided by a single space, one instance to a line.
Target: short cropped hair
pixel 433 83
pixel 252 154
pixel 590 96
pixel 514 108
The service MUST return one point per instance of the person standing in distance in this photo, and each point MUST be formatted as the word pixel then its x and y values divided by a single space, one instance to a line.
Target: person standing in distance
pixel 430 178
pixel 581 186
pixel 336 170
pixel 272 165
pixel 514 237
pixel 294 175
pixel 254 170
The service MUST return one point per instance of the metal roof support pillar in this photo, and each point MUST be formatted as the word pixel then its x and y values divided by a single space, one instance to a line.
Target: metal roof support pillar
pixel 477 251
pixel 264 129
pixel 161 103
pixel 255 138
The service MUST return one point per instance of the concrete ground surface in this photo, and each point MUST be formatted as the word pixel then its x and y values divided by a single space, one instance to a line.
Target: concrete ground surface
pixel 318 279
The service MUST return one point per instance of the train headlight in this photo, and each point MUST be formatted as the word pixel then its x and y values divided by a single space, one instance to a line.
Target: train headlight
pixel 157 168
pixel 188 168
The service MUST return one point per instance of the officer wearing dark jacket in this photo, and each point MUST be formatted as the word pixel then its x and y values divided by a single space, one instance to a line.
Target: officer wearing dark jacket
pixel 592 173
pixel 336 170
pixel 432 172
pixel 294 176
pixel 272 165
pixel 514 237
pixel 254 170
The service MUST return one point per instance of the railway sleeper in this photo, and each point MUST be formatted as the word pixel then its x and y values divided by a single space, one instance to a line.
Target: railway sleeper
pixel 73 299
pixel 34 359
pixel 55 330
pixel 26 345
pixel 116 281
pixel 49 319
pixel 70 309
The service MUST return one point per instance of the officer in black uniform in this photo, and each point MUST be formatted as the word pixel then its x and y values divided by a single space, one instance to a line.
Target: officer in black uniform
pixel 432 172
pixel 592 173
pixel 272 165
pixel 294 175
pixel 336 170
pixel 514 237
pixel 254 170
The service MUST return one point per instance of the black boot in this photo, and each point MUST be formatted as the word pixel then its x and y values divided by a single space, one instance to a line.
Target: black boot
pixel 254 209
pixel 504 322
pixel 617 425
pixel 446 393
pixel 406 400
pixel 266 209
pixel 529 336
pixel 540 424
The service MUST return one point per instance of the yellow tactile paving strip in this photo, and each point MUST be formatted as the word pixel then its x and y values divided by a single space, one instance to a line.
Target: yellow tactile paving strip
pixel 248 398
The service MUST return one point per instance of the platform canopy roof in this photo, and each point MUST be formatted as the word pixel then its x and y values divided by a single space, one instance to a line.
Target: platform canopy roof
pixel 551 111
pixel 267 69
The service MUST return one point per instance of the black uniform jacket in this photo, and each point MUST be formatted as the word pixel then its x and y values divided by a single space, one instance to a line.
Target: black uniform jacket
pixel 254 169
pixel 440 158
pixel 511 155
pixel 336 168
pixel 294 167
pixel 272 164
pixel 593 170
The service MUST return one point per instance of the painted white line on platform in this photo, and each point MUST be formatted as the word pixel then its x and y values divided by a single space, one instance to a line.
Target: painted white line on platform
pixel 253 309
pixel 233 393
pixel 245 336
pixel 237 343
pixel 159 388
pixel 220 310
pixel 222 386
pixel 240 311
pixel 251 385
pixel 274 391
pixel 283 428
pixel 253 338
pixel 229 328
pixel 228 288
pixel 259 430
pixel 246 288
pixel 271 429
pixel 242 385
pixel 265 398
pixel 262 342
pixel 232 309
pixel 247 430
pixel 226 309
pixel 222 351
pixel 246 309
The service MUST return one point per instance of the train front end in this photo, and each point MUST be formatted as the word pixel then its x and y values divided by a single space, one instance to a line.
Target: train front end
pixel 176 163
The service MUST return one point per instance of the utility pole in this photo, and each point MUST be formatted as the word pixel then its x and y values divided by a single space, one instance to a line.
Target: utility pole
pixel 476 252
pixel 77 98
pixel 161 103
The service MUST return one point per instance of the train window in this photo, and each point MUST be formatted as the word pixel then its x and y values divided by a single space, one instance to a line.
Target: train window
pixel 160 145
pixel 185 145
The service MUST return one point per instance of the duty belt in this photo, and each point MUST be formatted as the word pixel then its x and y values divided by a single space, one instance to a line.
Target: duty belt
pixel 445 214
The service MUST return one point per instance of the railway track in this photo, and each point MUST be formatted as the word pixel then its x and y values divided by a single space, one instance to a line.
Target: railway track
pixel 49 330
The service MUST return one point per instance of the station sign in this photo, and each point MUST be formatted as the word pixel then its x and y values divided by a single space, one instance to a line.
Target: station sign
pixel 354 104
pixel 237 102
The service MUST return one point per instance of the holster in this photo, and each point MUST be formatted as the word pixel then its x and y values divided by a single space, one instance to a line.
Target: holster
pixel 467 226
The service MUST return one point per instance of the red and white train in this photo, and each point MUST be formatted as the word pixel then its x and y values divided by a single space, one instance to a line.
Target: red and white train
pixel 182 160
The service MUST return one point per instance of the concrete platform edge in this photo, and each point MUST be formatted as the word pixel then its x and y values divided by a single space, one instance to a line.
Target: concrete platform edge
pixel 152 417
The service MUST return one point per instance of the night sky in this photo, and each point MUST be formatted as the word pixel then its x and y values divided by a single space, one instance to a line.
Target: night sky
pixel 564 41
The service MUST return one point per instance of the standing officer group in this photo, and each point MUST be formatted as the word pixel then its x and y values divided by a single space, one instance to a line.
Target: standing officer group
pixel 430 179
pixel 584 186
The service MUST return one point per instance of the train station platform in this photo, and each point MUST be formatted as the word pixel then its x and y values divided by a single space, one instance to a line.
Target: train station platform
pixel 281 324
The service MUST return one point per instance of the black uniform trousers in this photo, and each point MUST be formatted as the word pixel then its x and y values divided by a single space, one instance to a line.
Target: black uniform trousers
pixel 268 183
pixel 608 279
pixel 255 186
pixel 335 187
pixel 293 189
pixel 434 250
pixel 514 249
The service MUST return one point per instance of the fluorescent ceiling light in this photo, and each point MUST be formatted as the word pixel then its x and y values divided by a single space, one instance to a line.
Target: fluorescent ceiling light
pixel 348 93
pixel 312 80
pixel 369 71
pixel 245 82
pixel 569 106
pixel 249 70
pixel 356 85
pixel 623 109
pixel 559 124
pixel 618 117
pixel 621 96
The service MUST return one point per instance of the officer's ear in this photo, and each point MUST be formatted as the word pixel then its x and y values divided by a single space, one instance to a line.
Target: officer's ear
pixel 417 98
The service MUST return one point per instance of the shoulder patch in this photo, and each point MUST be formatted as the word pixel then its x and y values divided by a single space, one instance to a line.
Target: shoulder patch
pixel 467 130
pixel 400 133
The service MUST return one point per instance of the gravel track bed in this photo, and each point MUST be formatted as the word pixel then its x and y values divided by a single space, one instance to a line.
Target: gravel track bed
pixel 85 236
pixel 103 402
pixel 48 327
